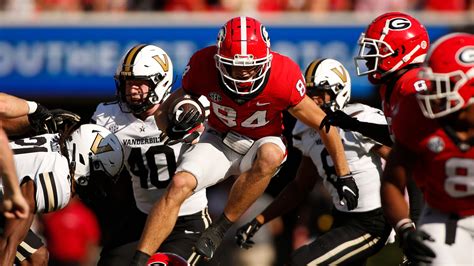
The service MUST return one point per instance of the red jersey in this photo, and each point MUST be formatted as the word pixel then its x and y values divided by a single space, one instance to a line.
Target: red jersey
pixel 259 117
pixel 445 173
pixel 407 84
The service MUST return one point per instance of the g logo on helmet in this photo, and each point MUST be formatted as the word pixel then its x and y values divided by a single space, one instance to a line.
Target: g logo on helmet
pixel 465 56
pixel 399 24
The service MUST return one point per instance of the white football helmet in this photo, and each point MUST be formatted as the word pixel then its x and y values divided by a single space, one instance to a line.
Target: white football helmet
pixel 331 75
pixel 94 152
pixel 145 62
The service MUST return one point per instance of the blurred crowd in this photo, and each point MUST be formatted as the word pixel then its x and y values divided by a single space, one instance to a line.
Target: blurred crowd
pixel 235 5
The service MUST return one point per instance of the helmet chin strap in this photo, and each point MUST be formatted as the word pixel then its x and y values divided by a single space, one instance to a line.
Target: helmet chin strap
pixel 405 59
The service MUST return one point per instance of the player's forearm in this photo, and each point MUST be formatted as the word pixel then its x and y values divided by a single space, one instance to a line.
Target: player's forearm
pixel 7 167
pixel 393 203
pixel 333 143
pixel 14 231
pixel 13 107
pixel 394 181
pixel 16 126
pixel 290 197
pixel 309 113
pixel 294 193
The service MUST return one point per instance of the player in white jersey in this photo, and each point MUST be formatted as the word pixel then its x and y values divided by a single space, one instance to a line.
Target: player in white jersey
pixel 51 168
pixel 144 78
pixel 360 229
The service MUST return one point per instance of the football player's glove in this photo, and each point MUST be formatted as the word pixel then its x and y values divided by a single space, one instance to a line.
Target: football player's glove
pixel 412 242
pixel 347 190
pixel 209 241
pixel 139 258
pixel 44 121
pixel 339 119
pixel 212 237
pixel 41 120
pixel 184 119
pixel 244 234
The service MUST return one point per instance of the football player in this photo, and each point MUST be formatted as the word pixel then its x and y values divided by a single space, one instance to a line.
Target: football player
pixel 434 142
pixel 13 204
pixel 18 116
pixel 51 169
pixel 392 50
pixel 359 232
pixel 144 78
pixel 249 86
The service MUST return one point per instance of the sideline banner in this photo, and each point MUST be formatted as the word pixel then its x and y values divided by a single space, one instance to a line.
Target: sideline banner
pixel 64 61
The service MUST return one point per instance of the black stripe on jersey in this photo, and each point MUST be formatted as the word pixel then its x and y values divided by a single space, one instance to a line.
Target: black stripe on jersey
pixel 49 191
pixel 55 191
pixel 45 192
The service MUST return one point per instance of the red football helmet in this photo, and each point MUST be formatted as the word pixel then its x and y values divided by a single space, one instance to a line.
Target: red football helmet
pixel 166 259
pixel 243 44
pixel 391 42
pixel 449 75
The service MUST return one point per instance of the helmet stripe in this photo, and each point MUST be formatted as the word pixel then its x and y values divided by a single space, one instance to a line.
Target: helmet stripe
pixel 243 35
pixel 311 72
pixel 130 57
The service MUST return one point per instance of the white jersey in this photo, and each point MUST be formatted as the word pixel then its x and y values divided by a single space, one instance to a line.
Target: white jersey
pixel 366 166
pixel 38 158
pixel 150 163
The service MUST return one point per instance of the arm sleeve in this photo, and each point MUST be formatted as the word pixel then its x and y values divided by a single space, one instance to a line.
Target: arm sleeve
pixel 377 132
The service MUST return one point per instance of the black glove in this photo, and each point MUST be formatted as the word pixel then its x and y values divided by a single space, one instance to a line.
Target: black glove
pixel 139 258
pixel 244 234
pixel 41 121
pixel 64 119
pixel 184 128
pixel 347 190
pixel 339 119
pixel 413 247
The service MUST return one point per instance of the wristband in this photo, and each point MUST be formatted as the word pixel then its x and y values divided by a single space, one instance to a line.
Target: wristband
pixel 32 106
pixel 404 224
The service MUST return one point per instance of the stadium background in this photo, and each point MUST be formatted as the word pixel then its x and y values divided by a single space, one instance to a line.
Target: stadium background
pixel 67 60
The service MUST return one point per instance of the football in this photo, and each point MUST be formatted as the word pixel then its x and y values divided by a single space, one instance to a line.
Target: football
pixel 186 110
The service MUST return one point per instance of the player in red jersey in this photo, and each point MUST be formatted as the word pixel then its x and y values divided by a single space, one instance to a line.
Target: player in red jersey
pixel 249 86
pixel 392 50
pixel 434 142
